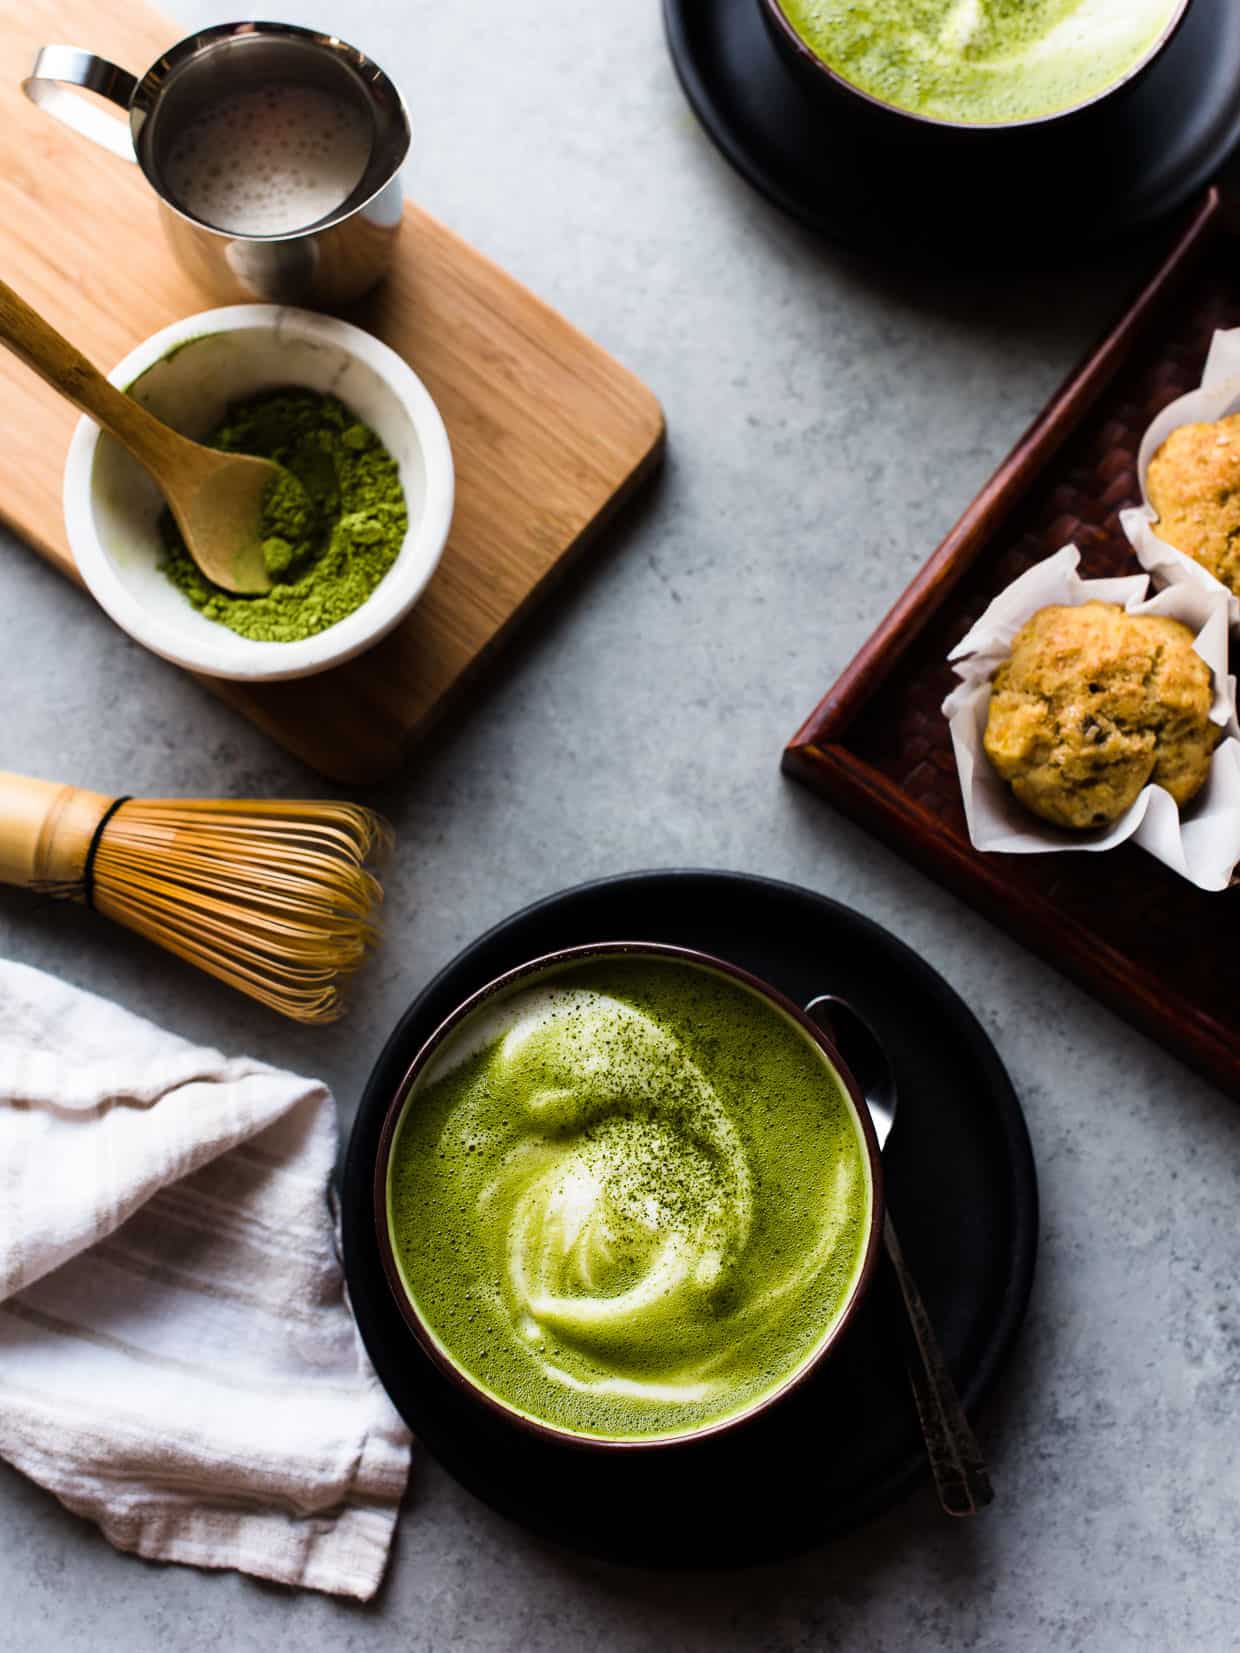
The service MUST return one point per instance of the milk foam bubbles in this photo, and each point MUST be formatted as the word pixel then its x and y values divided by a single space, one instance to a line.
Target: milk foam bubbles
pixel 270 160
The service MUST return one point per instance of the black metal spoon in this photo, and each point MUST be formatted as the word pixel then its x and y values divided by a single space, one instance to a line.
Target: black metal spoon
pixel 956 1461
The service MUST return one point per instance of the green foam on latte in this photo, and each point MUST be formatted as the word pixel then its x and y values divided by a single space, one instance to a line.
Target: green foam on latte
pixel 984 61
pixel 629 1200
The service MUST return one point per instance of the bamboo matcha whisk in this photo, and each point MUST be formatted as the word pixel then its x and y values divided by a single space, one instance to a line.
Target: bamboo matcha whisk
pixel 272 897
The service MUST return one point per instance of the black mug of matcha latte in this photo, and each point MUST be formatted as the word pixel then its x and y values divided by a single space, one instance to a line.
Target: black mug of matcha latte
pixel 961 67
pixel 627 1195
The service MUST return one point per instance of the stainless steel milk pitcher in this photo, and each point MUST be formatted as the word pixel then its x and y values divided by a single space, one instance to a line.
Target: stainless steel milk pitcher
pixel 327 262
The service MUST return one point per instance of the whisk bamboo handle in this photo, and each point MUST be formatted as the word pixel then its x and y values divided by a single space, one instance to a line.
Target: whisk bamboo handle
pixel 46 830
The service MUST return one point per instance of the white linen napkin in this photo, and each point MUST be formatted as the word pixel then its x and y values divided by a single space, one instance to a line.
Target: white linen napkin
pixel 178 1361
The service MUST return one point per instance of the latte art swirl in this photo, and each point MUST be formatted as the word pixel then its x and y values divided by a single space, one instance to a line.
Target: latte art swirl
pixel 621 1231
pixel 630 1201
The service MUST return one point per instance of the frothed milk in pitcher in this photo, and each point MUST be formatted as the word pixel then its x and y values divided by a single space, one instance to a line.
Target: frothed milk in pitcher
pixel 275 152
pixel 269 161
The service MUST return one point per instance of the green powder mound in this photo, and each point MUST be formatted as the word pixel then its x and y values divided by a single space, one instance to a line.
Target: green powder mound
pixel 329 536
pixel 981 61
pixel 631 1205
pixel 289 528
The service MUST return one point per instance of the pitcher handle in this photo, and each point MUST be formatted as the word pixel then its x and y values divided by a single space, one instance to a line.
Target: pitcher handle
pixel 57 68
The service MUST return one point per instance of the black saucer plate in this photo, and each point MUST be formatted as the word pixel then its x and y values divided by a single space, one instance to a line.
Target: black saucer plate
pixel 1037 196
pixel 961 1185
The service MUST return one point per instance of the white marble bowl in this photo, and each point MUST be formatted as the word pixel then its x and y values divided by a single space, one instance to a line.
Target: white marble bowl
pixel 187 375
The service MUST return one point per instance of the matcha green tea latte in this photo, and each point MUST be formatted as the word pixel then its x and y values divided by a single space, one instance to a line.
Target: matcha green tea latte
pixel 326 549
pixel 981 61
pixel 629 1198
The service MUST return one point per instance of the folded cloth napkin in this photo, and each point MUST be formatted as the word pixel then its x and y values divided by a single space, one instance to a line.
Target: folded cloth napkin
pixel 177 1356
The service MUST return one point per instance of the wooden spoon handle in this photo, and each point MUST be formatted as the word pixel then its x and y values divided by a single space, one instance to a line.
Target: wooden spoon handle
pixel 41 347
pixel 956 1461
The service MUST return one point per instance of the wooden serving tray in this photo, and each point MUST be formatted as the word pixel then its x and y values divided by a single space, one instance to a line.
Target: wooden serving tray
pixel 1156 949
pixel 548 432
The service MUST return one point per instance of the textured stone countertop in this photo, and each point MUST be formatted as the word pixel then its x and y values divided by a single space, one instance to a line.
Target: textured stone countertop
pixel 827 424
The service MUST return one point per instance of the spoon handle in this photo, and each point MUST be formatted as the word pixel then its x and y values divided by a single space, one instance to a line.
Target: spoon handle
pixel 50 354
pixel 956 1460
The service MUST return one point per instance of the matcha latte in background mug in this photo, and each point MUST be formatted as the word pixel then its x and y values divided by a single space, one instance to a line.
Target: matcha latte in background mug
pixel 627 1195
pixel 971 63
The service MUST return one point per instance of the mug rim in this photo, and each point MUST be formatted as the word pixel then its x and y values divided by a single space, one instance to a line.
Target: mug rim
pixel 811 60
pixel 457 1375
pixel 151 83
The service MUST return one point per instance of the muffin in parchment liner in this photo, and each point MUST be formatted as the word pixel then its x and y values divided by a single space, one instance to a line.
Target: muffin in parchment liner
pixel 1201 841
pixel 1205 462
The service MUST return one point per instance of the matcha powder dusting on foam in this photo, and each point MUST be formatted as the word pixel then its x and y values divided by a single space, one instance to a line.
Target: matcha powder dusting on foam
pixel 983 61
pixel 327 549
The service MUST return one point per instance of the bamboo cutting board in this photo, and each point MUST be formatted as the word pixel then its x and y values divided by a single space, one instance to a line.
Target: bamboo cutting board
pixel 548 432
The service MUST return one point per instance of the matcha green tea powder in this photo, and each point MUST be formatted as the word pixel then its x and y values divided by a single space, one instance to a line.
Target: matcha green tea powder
pixel 327 549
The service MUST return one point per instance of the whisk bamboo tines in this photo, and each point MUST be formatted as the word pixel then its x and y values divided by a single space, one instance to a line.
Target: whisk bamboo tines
pixel 272 897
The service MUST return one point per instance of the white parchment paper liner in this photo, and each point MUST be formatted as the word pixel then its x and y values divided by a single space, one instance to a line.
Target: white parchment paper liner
pixel 1203 842
pixel 1216 397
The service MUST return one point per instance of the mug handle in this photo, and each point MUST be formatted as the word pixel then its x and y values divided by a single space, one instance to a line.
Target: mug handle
pixel 57 68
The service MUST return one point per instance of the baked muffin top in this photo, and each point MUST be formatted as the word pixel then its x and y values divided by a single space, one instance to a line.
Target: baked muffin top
pixel 1095 702
pixel 1194 485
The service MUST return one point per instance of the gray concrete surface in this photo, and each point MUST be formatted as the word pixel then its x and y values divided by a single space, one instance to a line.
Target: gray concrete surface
pixel 827 425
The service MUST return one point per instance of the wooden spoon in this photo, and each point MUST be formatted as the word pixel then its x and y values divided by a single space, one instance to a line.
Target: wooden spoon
pixel 216 498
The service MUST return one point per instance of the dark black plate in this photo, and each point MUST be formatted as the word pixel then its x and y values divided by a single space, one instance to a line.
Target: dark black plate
pixel 962 1189
pixel 1039 195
